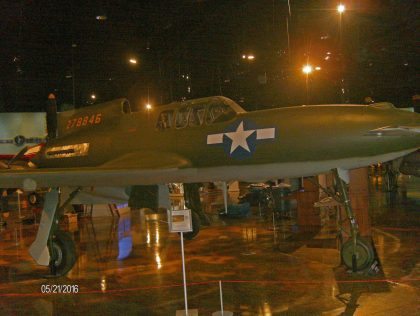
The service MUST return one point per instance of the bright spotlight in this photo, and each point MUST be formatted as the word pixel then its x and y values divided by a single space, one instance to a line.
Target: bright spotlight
pixel 307 69
pixel 341 8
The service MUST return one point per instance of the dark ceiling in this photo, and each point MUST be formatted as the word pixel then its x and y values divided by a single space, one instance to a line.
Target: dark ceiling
pixel 188 49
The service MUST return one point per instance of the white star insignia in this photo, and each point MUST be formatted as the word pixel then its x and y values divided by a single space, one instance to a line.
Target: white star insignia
pixel 239 138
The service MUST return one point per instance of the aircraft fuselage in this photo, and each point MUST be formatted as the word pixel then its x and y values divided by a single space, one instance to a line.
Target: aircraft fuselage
pixel 282 142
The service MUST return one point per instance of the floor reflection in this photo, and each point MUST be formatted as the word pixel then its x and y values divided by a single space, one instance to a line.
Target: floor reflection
pixel 125 241
pixel 131 265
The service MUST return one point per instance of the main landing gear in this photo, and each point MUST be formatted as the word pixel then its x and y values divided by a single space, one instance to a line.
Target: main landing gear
pixel 63 253
pixel 53 247
pixel 356 253
pixel 196 223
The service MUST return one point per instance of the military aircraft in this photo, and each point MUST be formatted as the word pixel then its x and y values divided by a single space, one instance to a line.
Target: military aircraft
pixel 18 132
pixel 207 140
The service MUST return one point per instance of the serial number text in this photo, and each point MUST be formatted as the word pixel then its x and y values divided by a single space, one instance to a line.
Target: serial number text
pixel 84 121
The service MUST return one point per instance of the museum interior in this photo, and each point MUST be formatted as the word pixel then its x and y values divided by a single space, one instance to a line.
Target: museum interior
pixel 202 157
pixel 275 252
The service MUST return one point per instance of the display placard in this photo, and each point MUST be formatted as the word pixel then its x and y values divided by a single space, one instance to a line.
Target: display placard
pixel 180 221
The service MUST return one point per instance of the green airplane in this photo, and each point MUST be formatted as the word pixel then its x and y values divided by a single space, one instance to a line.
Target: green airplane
pixel 207 140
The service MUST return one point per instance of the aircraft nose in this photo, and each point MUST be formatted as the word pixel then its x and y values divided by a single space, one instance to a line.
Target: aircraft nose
pixel 409 119
pixel 414 121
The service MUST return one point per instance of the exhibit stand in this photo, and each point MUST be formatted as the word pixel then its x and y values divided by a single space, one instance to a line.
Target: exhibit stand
pixel 180 221
pixel 222 312
pixel 20 217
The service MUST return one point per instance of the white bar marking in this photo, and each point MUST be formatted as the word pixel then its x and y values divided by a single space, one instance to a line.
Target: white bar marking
pixel 215 139
pixel 266 133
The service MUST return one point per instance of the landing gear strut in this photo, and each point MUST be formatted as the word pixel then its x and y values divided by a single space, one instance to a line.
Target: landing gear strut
pixel 52 247
pixel 195 226
pixel 356 252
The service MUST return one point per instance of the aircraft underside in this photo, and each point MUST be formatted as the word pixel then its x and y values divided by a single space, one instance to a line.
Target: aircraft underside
pixel 55 249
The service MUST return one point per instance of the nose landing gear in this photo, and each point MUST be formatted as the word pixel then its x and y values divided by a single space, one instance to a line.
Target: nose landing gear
pixel 358 257
pixel 356 253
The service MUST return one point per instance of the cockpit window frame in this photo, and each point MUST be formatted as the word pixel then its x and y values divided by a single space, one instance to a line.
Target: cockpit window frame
pixel 191 111
pixel 126 107
pixel 218 119
pixel 180 110
pixel 195 113
pixel 162 125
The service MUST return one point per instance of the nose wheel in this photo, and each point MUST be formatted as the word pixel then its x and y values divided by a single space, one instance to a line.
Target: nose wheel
pixel 357 257
pixel 356 253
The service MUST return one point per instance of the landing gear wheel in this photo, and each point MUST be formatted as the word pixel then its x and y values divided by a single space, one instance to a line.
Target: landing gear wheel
pixel 359 260
pixel 195 225
pixel 63 254
pixel 33 199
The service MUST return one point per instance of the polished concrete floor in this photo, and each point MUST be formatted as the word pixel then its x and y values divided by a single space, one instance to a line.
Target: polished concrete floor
pixel 132 266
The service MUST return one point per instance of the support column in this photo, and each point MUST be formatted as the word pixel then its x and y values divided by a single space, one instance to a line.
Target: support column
pixel 359 197
pixel 307 216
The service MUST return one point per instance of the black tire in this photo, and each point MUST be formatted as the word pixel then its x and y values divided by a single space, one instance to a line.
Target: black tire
pixel 64 252
pixel 364 254
pixel 33 199
pixel 196 223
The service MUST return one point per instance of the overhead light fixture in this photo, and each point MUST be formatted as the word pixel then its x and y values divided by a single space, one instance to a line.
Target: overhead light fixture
pixel 341 8
pixel 307 69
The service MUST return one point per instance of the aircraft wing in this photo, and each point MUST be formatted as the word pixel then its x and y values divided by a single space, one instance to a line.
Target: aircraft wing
pixel 130 169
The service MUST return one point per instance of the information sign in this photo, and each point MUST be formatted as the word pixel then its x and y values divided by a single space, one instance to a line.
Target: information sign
pixel 180 221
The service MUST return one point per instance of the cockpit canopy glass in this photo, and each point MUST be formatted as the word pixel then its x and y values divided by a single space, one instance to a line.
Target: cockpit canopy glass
pixel 197 113
pixel 182 117
pixel 197 116
pixel 219 112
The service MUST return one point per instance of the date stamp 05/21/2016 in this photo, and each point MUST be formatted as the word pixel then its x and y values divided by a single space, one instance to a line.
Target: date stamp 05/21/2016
pixel 59 288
